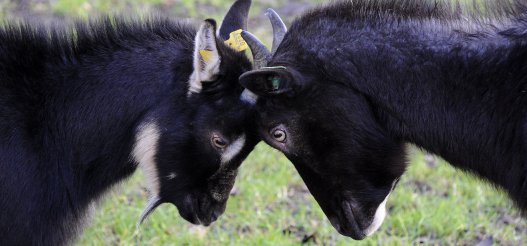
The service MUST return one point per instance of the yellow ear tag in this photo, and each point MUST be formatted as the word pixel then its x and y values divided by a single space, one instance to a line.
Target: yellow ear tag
pixel 205 54
pixel 236 41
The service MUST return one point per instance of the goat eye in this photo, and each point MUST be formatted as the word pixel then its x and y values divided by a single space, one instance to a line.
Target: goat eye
pixel 218 142
pixel 279 135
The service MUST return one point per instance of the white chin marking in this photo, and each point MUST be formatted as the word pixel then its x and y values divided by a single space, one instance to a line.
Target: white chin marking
pixel 233 149
pixel 144 152
pixel 380 214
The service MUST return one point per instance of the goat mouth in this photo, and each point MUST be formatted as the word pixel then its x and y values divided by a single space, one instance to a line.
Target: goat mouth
pixel 346 222
pixel 200 210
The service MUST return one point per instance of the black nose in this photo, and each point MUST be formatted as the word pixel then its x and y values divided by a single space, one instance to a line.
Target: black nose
pixel 215 214
pixel 210 216
pixel 200 208
pixel 210 210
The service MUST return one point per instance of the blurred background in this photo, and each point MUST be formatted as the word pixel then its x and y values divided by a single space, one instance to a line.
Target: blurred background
pixel 432 205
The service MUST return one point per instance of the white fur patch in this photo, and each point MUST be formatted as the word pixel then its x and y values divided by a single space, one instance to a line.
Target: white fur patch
pixel 233 149
pixel 171 176
pixel 380 214
pixel 249 97
pixel 144 152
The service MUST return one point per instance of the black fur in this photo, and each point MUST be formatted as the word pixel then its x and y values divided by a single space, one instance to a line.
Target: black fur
pixel 70 107
pixel 365 77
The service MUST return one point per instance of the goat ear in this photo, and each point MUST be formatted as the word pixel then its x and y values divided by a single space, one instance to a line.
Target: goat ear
pixel 268 81
pixel 235 19
pixel 207 58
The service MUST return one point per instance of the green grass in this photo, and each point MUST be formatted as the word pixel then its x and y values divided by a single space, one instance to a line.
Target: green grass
pixel 433 204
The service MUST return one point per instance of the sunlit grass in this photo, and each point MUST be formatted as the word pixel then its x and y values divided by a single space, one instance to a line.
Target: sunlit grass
pixel 433 204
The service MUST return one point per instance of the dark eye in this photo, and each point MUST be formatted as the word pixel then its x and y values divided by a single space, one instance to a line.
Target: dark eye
pixel 218 142
pixel 279 135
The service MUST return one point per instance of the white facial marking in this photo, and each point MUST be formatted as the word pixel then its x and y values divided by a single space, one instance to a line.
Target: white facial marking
pixel 144 152
pixel 380 214
pixel 233 149
pixel 248 97
pixel 171 176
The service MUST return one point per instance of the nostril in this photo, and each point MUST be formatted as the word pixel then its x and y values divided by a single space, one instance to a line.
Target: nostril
pixel 215 214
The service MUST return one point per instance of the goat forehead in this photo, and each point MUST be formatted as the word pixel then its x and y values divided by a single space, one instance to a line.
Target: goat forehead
pixel 228 112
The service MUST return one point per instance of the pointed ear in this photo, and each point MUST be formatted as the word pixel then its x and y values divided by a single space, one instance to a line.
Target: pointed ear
pixel 235 19
pixel 268 81
pixel 207 58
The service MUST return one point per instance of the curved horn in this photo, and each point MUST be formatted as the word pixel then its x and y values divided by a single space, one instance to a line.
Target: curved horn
pixel 236 18
pixel 279 28
pixel 261 54
pixel 152 204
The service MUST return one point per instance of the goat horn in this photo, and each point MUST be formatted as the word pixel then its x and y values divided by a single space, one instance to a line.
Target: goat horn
pixel 261 54
pixel 153 203
pixel 279 28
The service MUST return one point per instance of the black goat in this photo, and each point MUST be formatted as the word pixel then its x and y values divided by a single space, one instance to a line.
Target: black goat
pixel 352 82
pixel 81 109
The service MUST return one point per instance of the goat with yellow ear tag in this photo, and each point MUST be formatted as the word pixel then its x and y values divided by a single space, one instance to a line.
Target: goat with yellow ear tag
pixel 84 114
